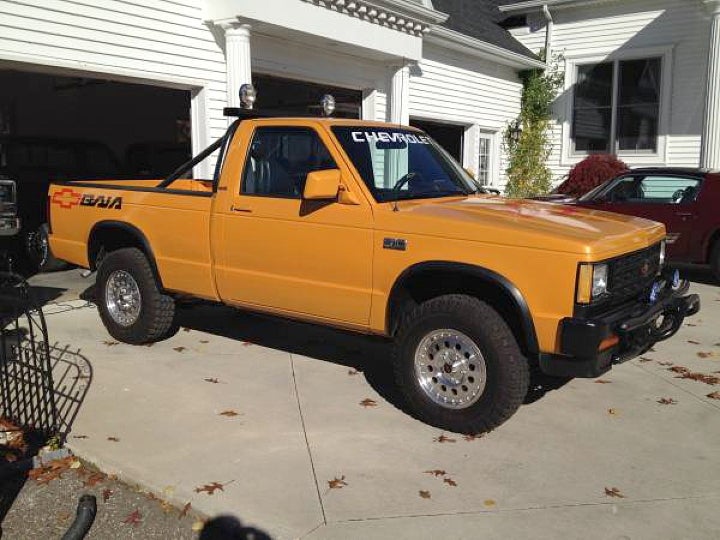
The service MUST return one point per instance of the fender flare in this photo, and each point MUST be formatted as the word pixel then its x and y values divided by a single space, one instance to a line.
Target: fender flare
pixel 132 230
pixel 484 274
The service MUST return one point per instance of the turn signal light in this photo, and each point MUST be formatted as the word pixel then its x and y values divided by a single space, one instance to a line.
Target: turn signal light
pixel 608 342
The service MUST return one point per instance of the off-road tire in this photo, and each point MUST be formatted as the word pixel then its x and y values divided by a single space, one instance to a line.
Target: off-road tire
pixel 157 310
pixel 39 253
pixel 508 372
pixel 715 259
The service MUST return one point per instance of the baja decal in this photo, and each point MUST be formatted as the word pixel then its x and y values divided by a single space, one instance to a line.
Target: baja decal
pixel 101 201
pixel 66 198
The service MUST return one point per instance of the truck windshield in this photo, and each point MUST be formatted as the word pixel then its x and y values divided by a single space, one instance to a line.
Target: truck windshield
pixel 400 164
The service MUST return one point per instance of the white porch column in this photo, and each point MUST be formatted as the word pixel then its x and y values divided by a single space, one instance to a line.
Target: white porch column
pixel 400 95
pixel 710 150
pixel 237 60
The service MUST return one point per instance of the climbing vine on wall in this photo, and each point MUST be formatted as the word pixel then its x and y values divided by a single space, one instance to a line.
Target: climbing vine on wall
pixel 527 170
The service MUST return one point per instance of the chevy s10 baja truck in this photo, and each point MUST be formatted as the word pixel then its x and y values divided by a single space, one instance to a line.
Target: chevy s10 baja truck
pixel 373 228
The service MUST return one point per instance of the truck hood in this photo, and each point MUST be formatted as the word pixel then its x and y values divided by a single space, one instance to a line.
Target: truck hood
pixel 526 223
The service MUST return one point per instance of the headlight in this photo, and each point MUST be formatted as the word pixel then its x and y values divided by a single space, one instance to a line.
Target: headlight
pixel 592 282
pixel 662 256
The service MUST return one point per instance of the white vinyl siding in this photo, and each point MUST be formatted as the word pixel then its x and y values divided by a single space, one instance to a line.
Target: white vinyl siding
pixel 479 95
pixel 618 28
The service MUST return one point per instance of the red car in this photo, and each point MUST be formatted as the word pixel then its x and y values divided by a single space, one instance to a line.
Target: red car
pixel 687 201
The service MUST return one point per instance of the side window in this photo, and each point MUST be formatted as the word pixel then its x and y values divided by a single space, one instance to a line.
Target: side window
pixel 280 159
pixel 669 189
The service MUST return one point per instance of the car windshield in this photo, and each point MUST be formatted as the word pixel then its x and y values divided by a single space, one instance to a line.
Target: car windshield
pixel 590 195
pixel 401 164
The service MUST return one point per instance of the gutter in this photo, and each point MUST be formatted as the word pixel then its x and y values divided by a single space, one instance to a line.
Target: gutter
pixel 548 33
pixel 530 5
pixel 439 35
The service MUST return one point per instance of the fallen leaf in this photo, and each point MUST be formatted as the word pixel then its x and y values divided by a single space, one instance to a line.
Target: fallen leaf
pixel 166 507
pixel 489 502
pixel 211 380
pixel 714 395
pixel 110 343
pixel 424 494
pixel 134 518
pixel 612 412
pixel 679 369
pixel 75 464
pixel 179 349
pixel 645 359
pixel 602 381
pixel 113 439
pixel 210 489
pixel 94 479
pixel 436 472
pixel 204 341
pixel 229 413
pixel 198 526
pixel 666 401
pixel 80 436
pixel 185 510
pixel 367 402
pixel 706 354
pixel 337 483
pixel 470 438
pixel 665 363
pixel 450 482
pixel 353 372
pixel 443 439
pixel 693 342
pixel 614 492
pixel 51 471
pixel 64 517
pixel 106 494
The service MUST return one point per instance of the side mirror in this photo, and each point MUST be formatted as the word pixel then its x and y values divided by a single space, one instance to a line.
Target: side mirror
pixel 322 185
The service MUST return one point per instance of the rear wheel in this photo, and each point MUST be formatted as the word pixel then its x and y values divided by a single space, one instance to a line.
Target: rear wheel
pixel 459 366
pixel 132 306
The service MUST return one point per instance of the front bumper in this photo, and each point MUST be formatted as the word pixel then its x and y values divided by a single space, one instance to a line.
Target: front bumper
pixel 589 347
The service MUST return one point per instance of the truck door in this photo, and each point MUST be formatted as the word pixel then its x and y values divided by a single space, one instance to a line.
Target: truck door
pixel 278 251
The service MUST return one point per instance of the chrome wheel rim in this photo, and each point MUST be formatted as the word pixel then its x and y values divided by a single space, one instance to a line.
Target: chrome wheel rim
pixel 122 298
pixel 450 369
pixel 37 245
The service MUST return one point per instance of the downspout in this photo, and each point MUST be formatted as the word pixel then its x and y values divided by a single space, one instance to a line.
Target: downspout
pixel 548 33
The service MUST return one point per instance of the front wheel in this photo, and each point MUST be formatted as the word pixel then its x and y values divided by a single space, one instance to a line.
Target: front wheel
pixel 459 366
pixel 40 256
pixel 132 306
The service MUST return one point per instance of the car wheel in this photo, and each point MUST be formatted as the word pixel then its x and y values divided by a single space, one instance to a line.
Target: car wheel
pixel 715 259
pixel 40 256
pixel 459 366
pixel 132 306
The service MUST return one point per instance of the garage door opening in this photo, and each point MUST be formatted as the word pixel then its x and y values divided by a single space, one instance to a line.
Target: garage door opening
pixel 125 129
pixel 69 128
pixel 449 136
pixel 298 98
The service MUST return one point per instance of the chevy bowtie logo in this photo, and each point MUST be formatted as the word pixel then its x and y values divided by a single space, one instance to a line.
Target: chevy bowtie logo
pixel 66 198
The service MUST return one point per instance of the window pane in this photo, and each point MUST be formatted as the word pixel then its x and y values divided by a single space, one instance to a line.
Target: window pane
pixel 638 104
pixel 280 160
pixel 592 108
pixel 669 189
pixel 483 174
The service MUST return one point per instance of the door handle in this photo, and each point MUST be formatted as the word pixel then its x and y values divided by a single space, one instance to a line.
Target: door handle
pixel 243 209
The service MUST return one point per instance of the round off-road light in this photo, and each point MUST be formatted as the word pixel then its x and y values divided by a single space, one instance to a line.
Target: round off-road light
pixel 328 104
pixel 248 95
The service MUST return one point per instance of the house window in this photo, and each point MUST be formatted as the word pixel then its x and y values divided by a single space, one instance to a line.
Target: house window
pixel 483 172
pixel 616 107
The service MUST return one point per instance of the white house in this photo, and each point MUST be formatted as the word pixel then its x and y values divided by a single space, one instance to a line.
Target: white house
pixel 141 76
pixel 642 77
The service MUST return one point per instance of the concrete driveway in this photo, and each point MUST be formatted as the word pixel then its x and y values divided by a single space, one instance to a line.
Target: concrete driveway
pixel 300 453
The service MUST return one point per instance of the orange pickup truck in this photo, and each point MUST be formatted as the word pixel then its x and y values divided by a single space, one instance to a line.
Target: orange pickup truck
pixel 373 228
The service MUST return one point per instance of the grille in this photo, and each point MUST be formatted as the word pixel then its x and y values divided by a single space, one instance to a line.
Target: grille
pixel 632 274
